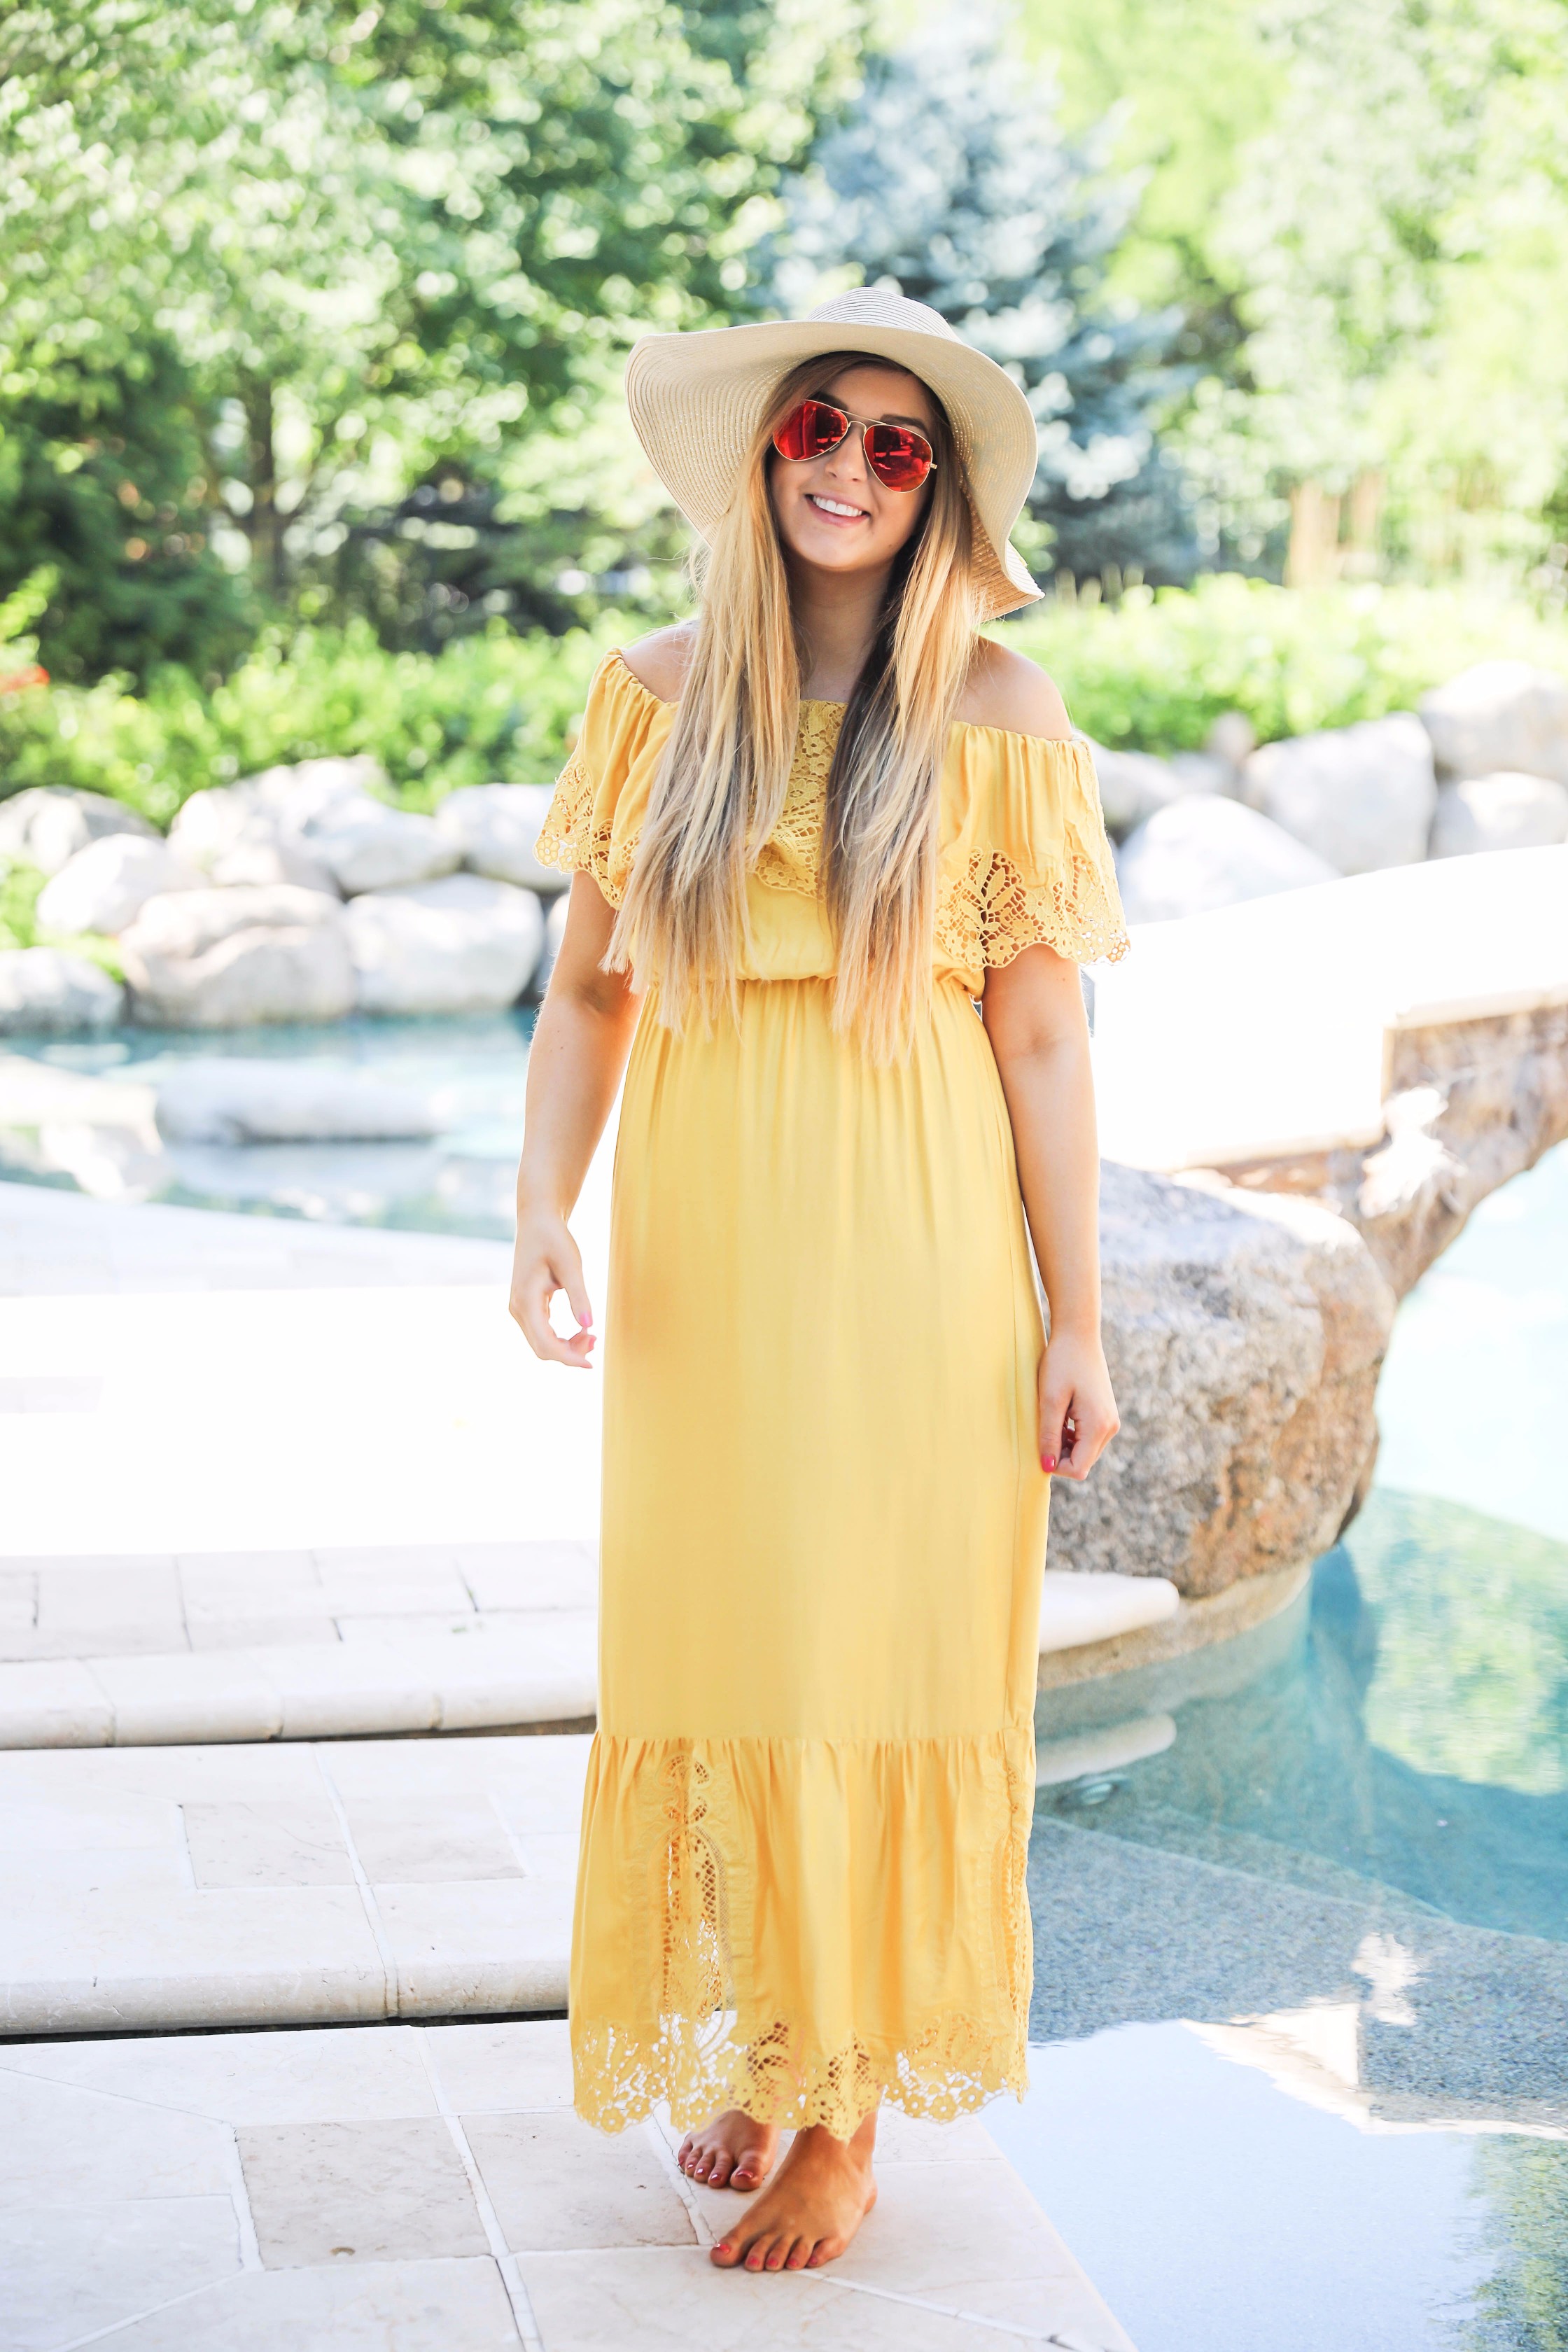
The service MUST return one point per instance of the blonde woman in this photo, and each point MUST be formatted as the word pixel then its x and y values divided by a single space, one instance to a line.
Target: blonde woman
pixel 808 833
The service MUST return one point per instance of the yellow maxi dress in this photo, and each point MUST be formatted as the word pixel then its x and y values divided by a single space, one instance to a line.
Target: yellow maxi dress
pixel 801 1886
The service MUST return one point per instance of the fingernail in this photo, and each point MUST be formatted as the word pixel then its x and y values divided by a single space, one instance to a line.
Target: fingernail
pixel 1048 1463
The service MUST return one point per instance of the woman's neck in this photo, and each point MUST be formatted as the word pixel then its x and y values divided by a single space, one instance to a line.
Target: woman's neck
pixel 837 614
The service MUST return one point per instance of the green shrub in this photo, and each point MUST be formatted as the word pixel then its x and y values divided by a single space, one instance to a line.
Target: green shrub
pixel 1151 672
pixel 20 889
pixel 1155 671
pixel 491 707
pixel 19 927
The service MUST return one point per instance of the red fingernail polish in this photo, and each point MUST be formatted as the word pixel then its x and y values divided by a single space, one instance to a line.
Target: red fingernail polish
pixel 1048 1463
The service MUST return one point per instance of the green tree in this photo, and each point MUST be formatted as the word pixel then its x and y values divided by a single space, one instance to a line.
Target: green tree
pixel 387 238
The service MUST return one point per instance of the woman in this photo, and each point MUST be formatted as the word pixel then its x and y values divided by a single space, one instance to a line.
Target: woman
pixel 806 832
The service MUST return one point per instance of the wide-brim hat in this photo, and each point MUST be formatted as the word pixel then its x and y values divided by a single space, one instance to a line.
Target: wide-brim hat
pixel 698 402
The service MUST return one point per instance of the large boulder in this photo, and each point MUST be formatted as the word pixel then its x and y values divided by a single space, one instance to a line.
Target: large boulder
pixel 495 827
pixel 310 789
pixel 236 1102
pixel 225 959
pixel 1502 812
pixel 319 823
pixel 237 839
pixel 45 825
pixel 366 845
pixel 1132 786
pixel 1205 851
pixel 1243 1332
pixel 1500 715
pixel 554 932
pixel 464 944
pixel 44 992
pixel 1362 796
pixel 105 886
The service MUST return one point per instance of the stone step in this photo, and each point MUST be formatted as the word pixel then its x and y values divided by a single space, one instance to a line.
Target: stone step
pixel 380 1657
pixel 429 2189
pixel 148 1888
pixel 1266 1029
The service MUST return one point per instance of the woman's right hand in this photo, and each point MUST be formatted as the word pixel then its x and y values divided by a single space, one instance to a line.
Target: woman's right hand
pixel 546 1260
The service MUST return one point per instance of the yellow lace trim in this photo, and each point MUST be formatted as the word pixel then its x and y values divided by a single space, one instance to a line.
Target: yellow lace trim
pixel 570 840
pixel 986 913
pixel 707 2052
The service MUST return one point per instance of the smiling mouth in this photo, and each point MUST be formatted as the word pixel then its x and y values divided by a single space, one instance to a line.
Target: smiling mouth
pixel 835 508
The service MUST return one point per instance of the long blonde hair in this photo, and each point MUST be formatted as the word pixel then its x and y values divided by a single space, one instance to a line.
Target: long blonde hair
pixel 721 785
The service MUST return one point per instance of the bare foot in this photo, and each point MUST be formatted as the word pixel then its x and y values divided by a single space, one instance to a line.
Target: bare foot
pixel 733 2151
pixel 811 2209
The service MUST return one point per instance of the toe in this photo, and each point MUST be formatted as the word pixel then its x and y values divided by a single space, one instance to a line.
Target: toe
pixel 798 2253
pixel 719 2170
pixel 683 2155
pixel 777 2255
pixel 725 2254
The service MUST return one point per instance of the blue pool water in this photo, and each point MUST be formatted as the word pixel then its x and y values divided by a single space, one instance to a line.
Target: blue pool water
pixel 1301 2067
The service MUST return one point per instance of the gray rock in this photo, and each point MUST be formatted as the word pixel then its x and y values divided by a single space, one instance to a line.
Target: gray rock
pixel 234 1101
pixel 308 789
pixel 1204 851
pixel 1362 797
pixel 237 839
pixel 495 827
pixel 1132 785
pixel 554 932
pixel 1507 811
pixel 105 886
pixel 463 944
pixel 1231 739
pixel 1244 1333
pixel 44 992
pixel 45 825
pixel 1201 771
pixel 366 845
pixel 1472 1102
pixel 225 959
pixel 1497 716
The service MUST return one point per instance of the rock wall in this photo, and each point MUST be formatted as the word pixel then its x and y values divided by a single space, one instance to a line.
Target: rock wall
pixel 1470 1103
pixel 1245 1332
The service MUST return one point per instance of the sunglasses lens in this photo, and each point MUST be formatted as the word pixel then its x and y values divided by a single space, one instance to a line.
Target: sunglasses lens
pixel 811 431
pixel 899 459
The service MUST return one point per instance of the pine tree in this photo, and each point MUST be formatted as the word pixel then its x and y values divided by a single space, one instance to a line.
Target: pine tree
pixel 950 180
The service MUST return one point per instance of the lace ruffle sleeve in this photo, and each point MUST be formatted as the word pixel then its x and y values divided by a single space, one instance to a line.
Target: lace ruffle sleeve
pixel 1031 865
pixel 592 821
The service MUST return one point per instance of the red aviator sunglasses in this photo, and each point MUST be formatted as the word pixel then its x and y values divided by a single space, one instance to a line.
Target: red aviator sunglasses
pixel 899 455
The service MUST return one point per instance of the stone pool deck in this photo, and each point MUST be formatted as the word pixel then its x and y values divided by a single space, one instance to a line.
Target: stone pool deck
pixel 429 2189
pixel 264 1483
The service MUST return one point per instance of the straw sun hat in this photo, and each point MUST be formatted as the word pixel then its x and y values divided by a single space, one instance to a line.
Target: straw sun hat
pixel 698 402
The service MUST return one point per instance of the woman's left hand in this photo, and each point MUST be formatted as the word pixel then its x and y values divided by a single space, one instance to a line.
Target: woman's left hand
pixel 1078 1410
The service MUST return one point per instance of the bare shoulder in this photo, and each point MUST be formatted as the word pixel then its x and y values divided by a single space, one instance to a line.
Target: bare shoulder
pixel 658 660
pixel 1007 690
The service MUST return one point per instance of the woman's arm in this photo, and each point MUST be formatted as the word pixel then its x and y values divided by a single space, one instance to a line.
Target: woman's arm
pixel 1034 1016
pixel 580 1046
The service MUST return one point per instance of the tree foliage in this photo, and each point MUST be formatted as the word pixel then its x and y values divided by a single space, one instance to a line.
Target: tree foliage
pixel 950 180
pixel 380 239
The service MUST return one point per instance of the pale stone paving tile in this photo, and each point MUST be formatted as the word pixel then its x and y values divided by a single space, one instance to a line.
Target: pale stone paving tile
pixel 440 2305
pixel 653 2299
pixel 437 1842
pixel 186 1698
pixel 83 2267
pixel 261 1633
pixel 257 1843
pixel 502 2069
pixel 556 2184
pixel 330 2074
pixel 393 2190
